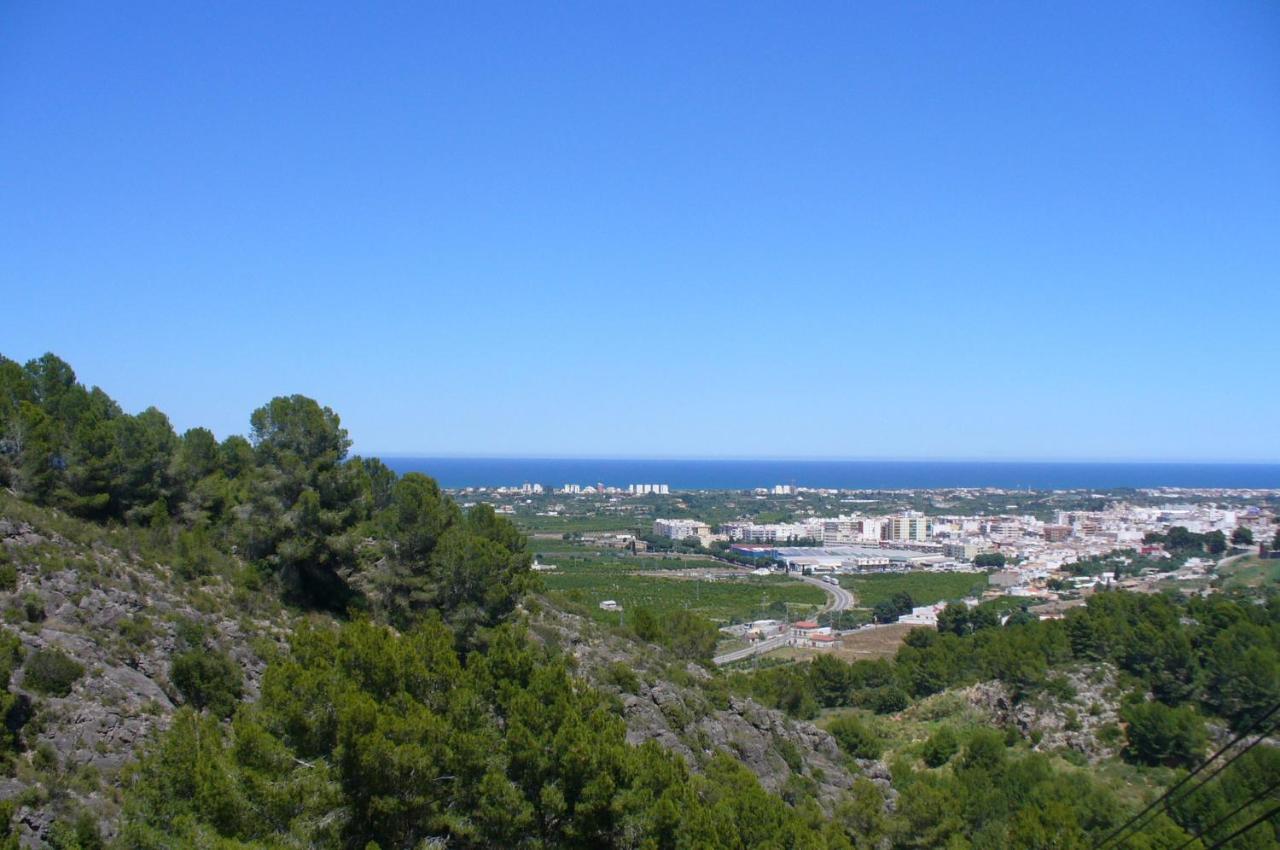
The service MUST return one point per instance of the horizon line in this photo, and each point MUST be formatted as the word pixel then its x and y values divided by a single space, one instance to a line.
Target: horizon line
pixel 818 458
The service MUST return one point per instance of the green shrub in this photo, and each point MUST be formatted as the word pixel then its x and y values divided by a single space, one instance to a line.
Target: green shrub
pixel 1158 734
pixel 940 747
pixel 856 738
pixel 1060 688
pixel 884 700
pixel 8 576
pixel 790 754
pixel 51 672
pixel 191 634
pixel 45 758
pixel 80 834
pixel 136 630
pixel 208 680
pixel 623 677
pixel 985 751
pixel 33 607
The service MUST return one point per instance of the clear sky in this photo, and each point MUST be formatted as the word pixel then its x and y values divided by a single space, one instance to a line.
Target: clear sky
pixel 908 230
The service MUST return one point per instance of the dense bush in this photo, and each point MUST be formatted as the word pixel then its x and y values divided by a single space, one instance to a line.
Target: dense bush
pixel 856 738
pixel 207 680
pixel 940 747
pixel 688 635
pixel 51 672
pixel 367 736
pixel 14 709
pixel 1158 734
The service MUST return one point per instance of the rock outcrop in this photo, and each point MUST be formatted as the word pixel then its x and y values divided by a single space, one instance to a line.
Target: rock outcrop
pixel 1080 715
pixel 671 703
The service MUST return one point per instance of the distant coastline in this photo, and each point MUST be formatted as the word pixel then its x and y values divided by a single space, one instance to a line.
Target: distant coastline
pixel 683 474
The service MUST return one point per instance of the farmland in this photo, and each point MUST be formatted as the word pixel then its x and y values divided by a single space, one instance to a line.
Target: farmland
pixel 924 588
pixel 662 585
pixel 1250 571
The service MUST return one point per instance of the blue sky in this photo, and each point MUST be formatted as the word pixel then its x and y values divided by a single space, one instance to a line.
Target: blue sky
pixel 908 230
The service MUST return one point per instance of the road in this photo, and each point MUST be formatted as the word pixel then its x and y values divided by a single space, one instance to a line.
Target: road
pixel 839 599
pixel 755 649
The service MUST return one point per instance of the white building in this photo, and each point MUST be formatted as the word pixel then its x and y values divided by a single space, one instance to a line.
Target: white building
pixel 679 529
pixel 649 489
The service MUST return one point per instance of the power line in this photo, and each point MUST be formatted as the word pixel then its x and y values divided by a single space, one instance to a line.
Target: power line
pixel 1248 826
pixel 1229 815
pixel 1217 770
pixel 1124 827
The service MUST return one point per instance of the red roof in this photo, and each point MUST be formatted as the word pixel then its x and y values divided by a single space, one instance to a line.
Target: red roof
pixel 806 624
pixel 824 638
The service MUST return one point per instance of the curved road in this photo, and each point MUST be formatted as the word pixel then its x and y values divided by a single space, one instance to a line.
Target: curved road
pixel 840 600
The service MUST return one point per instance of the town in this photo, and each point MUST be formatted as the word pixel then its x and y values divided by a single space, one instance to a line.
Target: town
pixel 1037 552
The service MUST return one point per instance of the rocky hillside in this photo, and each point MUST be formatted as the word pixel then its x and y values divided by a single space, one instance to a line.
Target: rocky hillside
pixel 109 611
pixel 688 711
pixel 99 621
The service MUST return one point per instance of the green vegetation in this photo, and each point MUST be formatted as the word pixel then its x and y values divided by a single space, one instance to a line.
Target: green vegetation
pixel 1158 734
pixel 208 680
pixel 1180 541
pixel 652 583
pixel 329 532
pixel 592 521
pixel 51 672
pixel 13 708
pixel 923 588
pixel 1211 657
pixel 1250 571
pixel 856 737
pixel 1218 654
pixel 889 610
pixel 687 635
pixel 367 737
pixel 1124 562
pixel 993 560
pixel 941 746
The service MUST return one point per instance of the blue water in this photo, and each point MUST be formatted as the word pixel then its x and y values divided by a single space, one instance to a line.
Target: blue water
pixel 851 474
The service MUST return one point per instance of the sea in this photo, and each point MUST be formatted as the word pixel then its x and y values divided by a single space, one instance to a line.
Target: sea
pixel 459 472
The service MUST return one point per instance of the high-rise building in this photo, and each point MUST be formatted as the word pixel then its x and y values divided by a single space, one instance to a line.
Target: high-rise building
pixel 908 526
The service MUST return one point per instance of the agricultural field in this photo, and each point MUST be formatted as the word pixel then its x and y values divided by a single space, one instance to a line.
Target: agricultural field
pixel 1250 571
pixel 586 523
pixel 669 584
pixel 924 588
